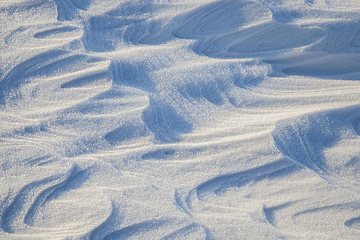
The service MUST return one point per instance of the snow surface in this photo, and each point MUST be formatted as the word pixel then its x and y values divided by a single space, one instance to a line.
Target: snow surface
pixel 180 119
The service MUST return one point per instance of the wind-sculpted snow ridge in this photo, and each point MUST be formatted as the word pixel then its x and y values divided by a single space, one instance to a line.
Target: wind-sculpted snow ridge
pixel 201 119
pixel 310 140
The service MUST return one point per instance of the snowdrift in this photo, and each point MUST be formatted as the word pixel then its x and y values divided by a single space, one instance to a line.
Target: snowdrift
pixel 201 119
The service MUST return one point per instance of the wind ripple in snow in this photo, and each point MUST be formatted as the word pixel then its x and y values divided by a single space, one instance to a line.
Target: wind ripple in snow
pixel 179 119
pixel 166 124
pixel 213 20
pixel 307 140
pixel 326 143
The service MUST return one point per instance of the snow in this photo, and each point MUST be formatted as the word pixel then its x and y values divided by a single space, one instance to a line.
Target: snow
pixel 168 119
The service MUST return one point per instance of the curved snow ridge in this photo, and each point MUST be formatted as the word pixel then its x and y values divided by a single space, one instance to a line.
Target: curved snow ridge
pixel 234 201
pixel 48 69
pixel 339 66
pixel 215 81
pixel 213 19
pixel 274 32
pixel 42 37
pixel 220 184
pixel 348 213
pixel 310 140
pixel 15 217
pixel 59 206
pixel 32 212
pixel 129 24
pixel 154 229
pixel 164 122
pixel 335 56
pixel 256 31
pixel 135 75
pixel 239 199
pixel 261 40
pixel 59 32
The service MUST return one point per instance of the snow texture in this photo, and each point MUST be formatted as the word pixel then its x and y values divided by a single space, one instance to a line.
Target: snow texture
pixel 180 119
